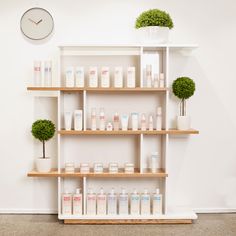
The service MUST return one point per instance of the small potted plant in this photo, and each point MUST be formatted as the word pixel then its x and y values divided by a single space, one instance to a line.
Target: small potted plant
pixel 43 130
pixel 183 88
pixel 154 26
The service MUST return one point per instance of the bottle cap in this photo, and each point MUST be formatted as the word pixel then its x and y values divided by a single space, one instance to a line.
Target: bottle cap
pixel 135 191
pixel 150 118
pixel 157 191
pixel 77 191
pixel 101 191
pixel 90 191
pixel 154 153
pixel 123 191
pixel 112 191
pixel 66 191
pixel 145 191
pixel 159 111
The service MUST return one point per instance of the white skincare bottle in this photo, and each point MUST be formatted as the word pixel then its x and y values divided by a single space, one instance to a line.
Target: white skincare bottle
pixel 112 203
pixel 124 122
pixel 116 121
pixel 66 203
pixel 150 123
pixel 118 77
pixel 159 119
pixel 101 203
pixel 145 203
pixel 93 119
pixel 37 74
pixel 91 202
pixel 130 77
pixel 68 120
pixel 134 119
pixel 157 203
pixel 77 202
pixel 156 81
pixel 102 120
pixel 123 203
pixel 79 77
pixel 105 77
pixel 149 75
pixel 78 119
pixel 134 203
pixel 161 80
pixel 47 73
pixel 155 162
pixel 93 77
pixel 69 76
pixel 143 122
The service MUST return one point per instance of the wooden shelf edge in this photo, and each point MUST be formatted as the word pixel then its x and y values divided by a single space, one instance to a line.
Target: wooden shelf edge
pixel 128 132
pixel 54 173
pixel 116 222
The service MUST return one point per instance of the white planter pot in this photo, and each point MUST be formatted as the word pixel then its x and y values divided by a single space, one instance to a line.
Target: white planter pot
pixel 43 164
pixel 154 34
pixel 183 122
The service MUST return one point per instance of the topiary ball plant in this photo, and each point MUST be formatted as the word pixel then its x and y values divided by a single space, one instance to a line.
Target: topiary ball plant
pixel 154 17
pixel 183 88
pixel 43 130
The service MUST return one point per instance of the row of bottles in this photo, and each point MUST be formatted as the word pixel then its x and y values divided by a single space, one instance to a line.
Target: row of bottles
pixel 112 203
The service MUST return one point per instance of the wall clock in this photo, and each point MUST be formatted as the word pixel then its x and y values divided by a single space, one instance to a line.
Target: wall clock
pixel 36 23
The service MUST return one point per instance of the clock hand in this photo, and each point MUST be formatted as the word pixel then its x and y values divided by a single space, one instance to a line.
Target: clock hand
pixel 39 21
pixel 32 21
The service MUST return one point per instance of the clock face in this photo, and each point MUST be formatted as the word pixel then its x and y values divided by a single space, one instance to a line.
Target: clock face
pixel 37 23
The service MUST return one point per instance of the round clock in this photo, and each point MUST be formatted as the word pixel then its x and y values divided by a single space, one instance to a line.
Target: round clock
pixel 36 23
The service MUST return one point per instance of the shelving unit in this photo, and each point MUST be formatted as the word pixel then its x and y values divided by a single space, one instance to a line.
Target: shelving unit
pixel 71 143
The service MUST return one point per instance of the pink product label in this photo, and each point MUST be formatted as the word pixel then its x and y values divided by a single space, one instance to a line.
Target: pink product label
pixel 47 69
pixel 77 199
pixel 36 68
pixel 116 118
pixel 66 198
pixel 102 117
pixel 101 198
pixel 104 72
pixel 93 198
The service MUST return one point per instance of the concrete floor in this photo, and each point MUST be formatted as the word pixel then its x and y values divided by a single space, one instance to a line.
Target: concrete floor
pixel 34 225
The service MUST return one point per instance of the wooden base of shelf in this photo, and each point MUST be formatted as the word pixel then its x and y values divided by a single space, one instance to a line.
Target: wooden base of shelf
pixel 121 174
pixel 124 222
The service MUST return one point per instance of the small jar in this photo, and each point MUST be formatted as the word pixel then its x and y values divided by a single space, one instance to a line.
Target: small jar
pixel 129 168
pixel 69 167
pixel 98 168
pixel 84 168
pixel 113 168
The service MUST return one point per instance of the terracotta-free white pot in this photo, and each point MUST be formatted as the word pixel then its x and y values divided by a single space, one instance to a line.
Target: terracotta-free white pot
pixel 154 34
pixel 43 164
pixel 183 122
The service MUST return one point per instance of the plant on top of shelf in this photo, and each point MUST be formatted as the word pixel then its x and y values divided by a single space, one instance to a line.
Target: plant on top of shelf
pixel 154 17
pixel 43 130
pixel 153 26
pixel 183 88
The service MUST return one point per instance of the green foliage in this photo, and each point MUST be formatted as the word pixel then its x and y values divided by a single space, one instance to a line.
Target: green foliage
pixel 154 17
pixel 183 87
pixel 43 130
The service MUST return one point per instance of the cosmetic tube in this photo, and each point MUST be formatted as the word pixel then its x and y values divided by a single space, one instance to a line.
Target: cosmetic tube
pixel 124 122
pixel 68 120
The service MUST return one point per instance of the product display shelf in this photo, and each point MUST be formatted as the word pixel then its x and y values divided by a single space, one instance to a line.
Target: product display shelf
pixel 128 132
pixel 121 174
pixel 124 55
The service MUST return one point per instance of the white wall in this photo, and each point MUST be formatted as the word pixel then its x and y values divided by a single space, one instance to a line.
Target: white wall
pixel 204 167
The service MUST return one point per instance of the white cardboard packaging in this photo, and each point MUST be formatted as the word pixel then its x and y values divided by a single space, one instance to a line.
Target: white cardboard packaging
pixel 157 203
pixel 77 202
pixel 79 77
pixel 135 203
pixel 129 168
pixel 70 81
pixel 48 73
pixel 93 77
pixel 113 168
pixel 78 119
pixel 66 203
pixel 37 74
pixel 123 203
pixel 105 77
pixel 159 119
pixel 84 168
pixel 101 203
pixel 145 203
pixel 130 83
pixel 118 77
pixel 98 168
pixel 91 202
pixel 112 203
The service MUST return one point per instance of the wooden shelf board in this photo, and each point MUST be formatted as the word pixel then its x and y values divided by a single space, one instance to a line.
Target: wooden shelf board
pixel 127 132
pixel 125 222
pixel 75 89
pixel 146 174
